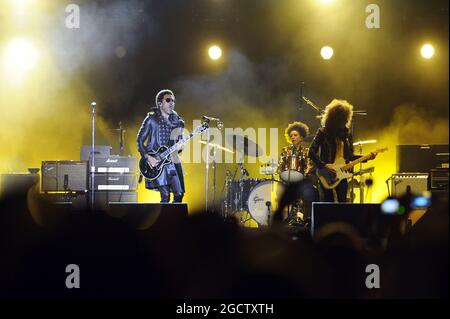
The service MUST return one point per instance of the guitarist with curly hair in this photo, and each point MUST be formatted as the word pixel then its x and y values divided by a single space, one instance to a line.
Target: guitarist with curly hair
pixel 332 149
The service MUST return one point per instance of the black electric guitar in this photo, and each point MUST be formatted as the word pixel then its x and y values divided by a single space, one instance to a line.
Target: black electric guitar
pixel 163 155
pixel 330 181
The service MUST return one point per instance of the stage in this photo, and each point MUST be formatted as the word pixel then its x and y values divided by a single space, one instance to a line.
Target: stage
pixel 207 149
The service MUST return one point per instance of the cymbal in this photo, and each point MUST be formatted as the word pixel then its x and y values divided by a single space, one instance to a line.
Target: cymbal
pixel 244 145
pixel 268 169
pixel 218 146
pixel 364 142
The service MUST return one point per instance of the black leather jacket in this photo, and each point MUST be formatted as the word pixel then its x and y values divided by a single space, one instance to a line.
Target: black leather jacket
pixel 148 139
pixel 323 148
pixel 148 135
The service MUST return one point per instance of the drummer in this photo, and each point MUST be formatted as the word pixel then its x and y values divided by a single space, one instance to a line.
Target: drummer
pixel 295 133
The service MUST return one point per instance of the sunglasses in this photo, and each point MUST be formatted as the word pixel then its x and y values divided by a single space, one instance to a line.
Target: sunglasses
pixel 168 100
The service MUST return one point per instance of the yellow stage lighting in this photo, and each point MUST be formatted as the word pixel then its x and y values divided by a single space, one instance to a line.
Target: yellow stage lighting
pixel 20 4
pixel 427 51
pixel 326 2
pixel 19 58
pixel 215 52
pixel 326 52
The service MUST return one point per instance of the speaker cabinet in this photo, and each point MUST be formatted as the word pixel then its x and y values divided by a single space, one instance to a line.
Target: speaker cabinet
pixel 417 183
pixel 115 182
pixel 99 150
pixel 439 179
pixel 63 176
pixel 421 158
pixel 116 164
pixel 366 219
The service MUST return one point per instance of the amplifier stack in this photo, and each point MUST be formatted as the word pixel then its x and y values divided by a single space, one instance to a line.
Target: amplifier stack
pixel 115 178
pixel 420 168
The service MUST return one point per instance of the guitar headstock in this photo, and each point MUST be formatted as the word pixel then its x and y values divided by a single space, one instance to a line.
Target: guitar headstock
pixel 381 150
pixel 201 128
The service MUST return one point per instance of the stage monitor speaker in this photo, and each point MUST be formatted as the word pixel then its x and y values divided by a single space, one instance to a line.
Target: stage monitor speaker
pixel 417 183
pixel 367 219
pixel 145 216
pixel 421 158
pixel 15 183
pixel 63 176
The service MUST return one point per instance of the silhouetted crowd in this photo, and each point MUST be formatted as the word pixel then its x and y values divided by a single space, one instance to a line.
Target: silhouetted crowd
pixel 205 256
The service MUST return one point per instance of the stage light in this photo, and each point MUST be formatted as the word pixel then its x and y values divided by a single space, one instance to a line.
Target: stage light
pixel 19 6
pixel 427 51
pixel 20 57
pixel 326 52
pixel 215 52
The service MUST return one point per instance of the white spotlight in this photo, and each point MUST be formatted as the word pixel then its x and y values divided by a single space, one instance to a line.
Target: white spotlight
pixel 20 57
pixel 215 52
pixel 427 51
pixel 326 52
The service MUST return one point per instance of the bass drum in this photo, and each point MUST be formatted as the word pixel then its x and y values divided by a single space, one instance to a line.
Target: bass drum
pixel 267 191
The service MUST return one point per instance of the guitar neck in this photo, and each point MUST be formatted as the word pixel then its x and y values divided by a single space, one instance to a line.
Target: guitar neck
pixel 361 159
pixel 356 162
pixel 175 146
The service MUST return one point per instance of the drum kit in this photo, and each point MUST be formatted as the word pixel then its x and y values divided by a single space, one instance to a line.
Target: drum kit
pixel 254 200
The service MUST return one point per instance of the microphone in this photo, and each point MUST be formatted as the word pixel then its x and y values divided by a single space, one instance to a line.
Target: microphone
pixel 301 95
pixel 244 172
pixel 208 118
pixel 93 104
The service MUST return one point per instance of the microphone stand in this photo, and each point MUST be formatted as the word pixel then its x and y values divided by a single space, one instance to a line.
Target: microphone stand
pixel 121 138
pixel 93 105
pixel 361 178
pixel 208 138
pixel 207 170
pixel 318 109
pixel 214 179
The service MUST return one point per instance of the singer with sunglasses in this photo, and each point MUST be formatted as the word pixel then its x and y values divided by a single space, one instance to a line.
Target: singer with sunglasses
pixel 163 127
